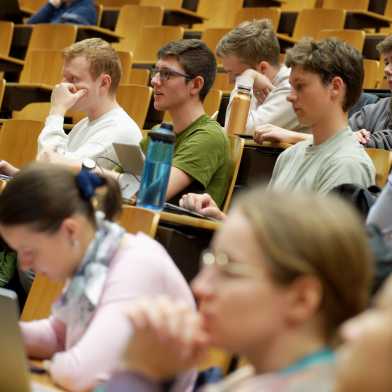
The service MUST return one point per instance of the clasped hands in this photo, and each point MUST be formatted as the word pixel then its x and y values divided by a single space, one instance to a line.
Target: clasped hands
pixel 168 338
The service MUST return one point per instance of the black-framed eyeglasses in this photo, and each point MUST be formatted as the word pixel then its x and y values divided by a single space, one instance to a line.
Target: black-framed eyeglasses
pixel 166 73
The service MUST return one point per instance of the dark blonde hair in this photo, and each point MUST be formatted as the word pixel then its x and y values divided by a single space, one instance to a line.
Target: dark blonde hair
pixel 310 234
pixel 102 57
pixel 329 58
pixel 42 195
pixel 252 42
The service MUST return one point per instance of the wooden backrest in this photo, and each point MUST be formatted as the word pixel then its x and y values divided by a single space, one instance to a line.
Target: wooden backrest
pixel 388 8
pixel 135 100
pixel 382 162
pixel 126 65
pixel 236 148
pixel 52 36
pixel 355 38
pixel 152 39
pixel 297 5
pixel 43 67
pixel 212 36
pixel 2 90
pixel 382 81
pixel 130 22
pixel 211 104
pixel 117 3
pixel 139 76
pixel 362 5
pixel 252 13
pixel 6 32
pixel 44 292
pixel 18 141
pixel 37 111
pixel 32 5
pixel 163 3
pixel 310 21
pixel 371 69
pixel 220 13
pixel 99 11
pixel 222 82
pixel 135 219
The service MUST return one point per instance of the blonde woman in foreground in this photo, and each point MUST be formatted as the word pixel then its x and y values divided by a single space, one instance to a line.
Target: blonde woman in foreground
pixel 280 278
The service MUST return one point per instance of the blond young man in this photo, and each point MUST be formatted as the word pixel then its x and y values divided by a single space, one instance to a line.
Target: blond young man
pixel 250 54
pixel 91 75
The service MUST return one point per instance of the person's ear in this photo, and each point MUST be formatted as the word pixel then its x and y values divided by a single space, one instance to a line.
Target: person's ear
pixel 337 86
pixel 262 67
pixel 196 85
pixel 106 81
pixel 70 229
pixel 305 299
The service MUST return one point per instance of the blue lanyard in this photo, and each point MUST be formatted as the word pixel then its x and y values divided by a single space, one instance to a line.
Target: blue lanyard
pixel 324 355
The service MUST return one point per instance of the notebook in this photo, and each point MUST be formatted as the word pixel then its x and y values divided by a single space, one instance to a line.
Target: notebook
pixel 14 367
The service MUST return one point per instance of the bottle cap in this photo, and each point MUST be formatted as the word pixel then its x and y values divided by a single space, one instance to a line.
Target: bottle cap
pixel 244 82
pixel 163 134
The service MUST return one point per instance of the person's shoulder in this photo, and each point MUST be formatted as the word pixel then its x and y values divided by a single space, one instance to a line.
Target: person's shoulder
pixel 119 118
pixel 297 147
pixel 205 127
pixel 140 246
pixel 380 106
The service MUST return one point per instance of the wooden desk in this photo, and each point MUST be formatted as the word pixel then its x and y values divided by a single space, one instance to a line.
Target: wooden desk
pixel 361 19
pixel 85 32
pixel 11 67
pixel 22 33
pixel 17 96
pixel 46 382
pixel 43 379
pixel 264 3
pixel 171 17
pixel 10 10
pixel 198 223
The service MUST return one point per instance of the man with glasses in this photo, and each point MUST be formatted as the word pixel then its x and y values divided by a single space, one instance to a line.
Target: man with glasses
pixel 184 73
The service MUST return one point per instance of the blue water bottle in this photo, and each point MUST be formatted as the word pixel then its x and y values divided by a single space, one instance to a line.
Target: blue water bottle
pixel 157 166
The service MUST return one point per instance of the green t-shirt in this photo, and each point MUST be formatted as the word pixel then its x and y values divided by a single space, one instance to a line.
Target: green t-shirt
pixel 202 151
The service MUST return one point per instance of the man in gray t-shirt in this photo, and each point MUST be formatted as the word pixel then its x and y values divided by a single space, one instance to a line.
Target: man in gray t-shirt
pixel 326 79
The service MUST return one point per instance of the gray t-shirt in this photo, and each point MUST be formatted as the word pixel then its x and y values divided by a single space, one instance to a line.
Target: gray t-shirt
pixel 320 168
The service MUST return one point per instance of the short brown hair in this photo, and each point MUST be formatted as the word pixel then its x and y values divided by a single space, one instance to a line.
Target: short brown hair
pixel 53 195
pixel 252 42
pixel 385 45
pixel 101 56
pixel 196 59
pixel 329 58
pixel 316 235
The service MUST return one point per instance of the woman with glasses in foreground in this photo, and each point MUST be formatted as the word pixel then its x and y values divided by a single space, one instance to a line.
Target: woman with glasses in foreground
pixel 281 276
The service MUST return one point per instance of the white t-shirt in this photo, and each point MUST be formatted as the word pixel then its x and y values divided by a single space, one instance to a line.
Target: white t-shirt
pixel 90 139
pixel 275 109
